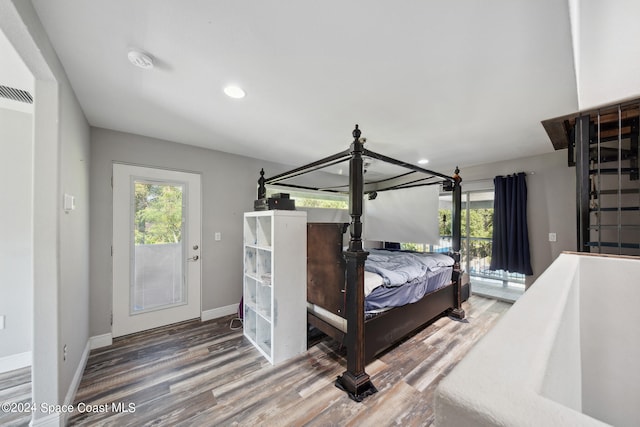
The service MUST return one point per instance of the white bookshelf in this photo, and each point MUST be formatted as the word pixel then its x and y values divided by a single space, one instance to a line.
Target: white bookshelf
pixel 275 282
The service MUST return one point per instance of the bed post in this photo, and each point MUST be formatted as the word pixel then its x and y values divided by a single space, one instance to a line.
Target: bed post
pixel 355 381
pixel 262 190
pixel 456 225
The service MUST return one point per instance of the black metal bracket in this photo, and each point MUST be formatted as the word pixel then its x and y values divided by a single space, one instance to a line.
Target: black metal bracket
pixel 357 388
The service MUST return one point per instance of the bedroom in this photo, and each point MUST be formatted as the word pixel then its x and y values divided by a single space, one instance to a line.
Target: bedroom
pixel 84 285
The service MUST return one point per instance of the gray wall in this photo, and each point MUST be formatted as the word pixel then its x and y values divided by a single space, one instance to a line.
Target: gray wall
pixel 74 235
pixel 229 183
pixel 16 260
pixel 228 190
pixel 60 242
pixel 551 202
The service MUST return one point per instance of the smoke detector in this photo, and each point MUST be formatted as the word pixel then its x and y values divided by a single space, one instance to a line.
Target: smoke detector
pixel 140 59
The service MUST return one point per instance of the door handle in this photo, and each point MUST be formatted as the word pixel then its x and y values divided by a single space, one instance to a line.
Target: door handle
pixel 193 258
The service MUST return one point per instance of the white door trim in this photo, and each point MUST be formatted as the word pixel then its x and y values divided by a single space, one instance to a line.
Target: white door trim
pixel 123 322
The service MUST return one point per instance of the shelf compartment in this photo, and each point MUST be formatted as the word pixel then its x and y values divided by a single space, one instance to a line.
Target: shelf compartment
pixel 250 292
pixel 263 262
pixel 263 231
pixel 250 261
pixel 263 335
pixel 264 301
pixel 249 323
pixel 250 235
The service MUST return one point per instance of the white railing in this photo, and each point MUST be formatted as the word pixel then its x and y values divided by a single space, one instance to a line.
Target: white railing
pixel 476 259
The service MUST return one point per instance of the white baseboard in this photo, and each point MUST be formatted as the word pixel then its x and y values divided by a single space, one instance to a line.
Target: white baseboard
pixel 75 382
pixel 219 312
pixel 52 420
pixel 57 419
pixel 15 361
pixel 98 341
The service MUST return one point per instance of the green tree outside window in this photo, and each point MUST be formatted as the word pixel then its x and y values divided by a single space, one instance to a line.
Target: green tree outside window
pixel 158 213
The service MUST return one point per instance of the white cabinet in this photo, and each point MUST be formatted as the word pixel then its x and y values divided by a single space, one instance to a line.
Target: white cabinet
pixel 275 282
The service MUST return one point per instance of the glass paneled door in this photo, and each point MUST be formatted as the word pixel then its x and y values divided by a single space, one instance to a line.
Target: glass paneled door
pixel 156 235
pixel 477 231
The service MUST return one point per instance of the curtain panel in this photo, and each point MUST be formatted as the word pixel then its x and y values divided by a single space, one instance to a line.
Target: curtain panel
pixel 510 249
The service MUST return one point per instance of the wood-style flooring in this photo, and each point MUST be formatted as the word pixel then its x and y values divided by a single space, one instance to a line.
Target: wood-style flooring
pixel 205 374
pixel 15 387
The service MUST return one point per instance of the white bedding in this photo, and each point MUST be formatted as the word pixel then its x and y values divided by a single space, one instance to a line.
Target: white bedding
pixel 371 281
pixel 400 267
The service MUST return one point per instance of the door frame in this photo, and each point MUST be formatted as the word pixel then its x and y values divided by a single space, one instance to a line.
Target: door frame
pixel 122 323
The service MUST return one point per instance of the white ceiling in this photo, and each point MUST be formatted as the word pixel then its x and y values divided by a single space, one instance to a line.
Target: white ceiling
pixel 458 82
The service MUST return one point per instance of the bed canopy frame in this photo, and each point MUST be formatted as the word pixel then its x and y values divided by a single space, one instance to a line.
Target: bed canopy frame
pixel 355 381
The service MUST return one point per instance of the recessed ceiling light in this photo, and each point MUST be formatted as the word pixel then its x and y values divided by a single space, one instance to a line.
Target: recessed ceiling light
pixel 140 59
pixel 423 161
pixel 234 92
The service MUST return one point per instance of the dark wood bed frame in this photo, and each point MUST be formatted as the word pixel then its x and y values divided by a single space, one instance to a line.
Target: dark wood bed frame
pixel 328 264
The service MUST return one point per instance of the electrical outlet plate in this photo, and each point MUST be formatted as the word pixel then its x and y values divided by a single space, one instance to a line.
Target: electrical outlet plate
pixel 553 237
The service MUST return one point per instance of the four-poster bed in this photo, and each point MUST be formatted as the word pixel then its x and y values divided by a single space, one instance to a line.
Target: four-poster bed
pixel 331 297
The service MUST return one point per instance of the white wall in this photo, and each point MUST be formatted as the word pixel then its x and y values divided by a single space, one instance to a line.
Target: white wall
pixel 608 65
pixel 561 356
pixel 551 202
pixel 229 185
pixel 610 339
pixel 16 260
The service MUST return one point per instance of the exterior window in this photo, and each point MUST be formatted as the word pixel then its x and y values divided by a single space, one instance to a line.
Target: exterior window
pixel 477 231
pixel 313 199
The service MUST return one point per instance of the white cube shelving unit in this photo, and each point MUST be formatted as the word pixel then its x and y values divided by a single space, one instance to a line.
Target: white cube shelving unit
pixel 275 282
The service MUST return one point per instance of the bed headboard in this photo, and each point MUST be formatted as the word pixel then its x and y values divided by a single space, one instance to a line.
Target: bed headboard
pixel 326 266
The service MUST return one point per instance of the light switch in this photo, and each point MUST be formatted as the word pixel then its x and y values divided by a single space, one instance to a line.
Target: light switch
pixel 217 236
pixel 552 237
pixel 69 202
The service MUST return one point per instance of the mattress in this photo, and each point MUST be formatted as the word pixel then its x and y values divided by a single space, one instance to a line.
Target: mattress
pixel 395 278
pixel 395 296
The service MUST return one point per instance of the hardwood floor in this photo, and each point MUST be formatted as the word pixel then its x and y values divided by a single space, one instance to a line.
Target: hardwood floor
pixel 15 387
pixel 202 373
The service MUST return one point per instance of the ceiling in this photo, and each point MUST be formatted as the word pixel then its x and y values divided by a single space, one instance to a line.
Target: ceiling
pixel 464 82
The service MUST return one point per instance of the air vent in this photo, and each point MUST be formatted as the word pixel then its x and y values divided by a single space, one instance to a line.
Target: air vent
pixel 15 94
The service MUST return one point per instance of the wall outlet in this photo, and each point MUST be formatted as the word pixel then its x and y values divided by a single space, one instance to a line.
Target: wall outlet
pixel 64 353
pixel 217 236
pixel 2 321
pixel 553 237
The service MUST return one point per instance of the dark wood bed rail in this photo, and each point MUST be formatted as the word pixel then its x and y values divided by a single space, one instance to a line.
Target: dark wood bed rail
pixel 355 381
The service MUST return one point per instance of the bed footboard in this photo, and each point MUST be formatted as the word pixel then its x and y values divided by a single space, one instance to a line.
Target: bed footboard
pixel 385 330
